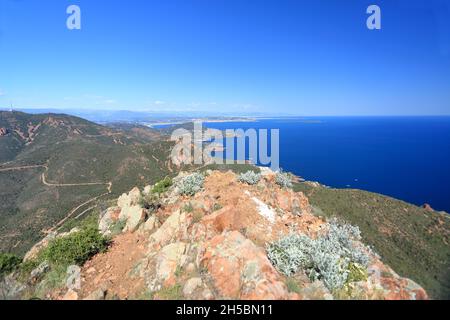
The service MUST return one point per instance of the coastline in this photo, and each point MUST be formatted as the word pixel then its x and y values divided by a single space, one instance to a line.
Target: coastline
pixel 203 120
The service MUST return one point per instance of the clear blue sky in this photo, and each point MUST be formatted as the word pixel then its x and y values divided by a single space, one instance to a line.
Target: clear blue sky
pixel 306 57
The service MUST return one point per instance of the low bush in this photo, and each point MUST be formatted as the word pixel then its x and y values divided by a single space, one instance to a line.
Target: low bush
pixel 8 263
pixel 283 179
pixel 356 273
pixel 75 248
pixel 335 257
pixel 174 292
pixel 249 177
pixel 162 186
pixel 191 184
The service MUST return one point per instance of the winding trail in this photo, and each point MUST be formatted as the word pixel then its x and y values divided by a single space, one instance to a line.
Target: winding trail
pixel 50 184
pixel 72 212
pixel 23 168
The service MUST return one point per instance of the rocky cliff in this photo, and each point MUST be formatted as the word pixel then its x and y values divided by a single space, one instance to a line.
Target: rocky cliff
pixel 217 235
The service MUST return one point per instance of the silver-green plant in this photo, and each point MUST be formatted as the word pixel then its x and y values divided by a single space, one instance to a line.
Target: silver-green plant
pixel 326 258
pixel 283 179
pixel 250 177
pixel 191 184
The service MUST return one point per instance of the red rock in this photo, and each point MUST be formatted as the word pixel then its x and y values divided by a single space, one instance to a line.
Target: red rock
pixel 294 202
pixel 3 132
pixel 241 270
pixel 70 295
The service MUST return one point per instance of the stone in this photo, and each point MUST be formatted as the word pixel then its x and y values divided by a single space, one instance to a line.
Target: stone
pixel 70 295
pixel 98 294
pixel 295 202
pixel 151 224
pixel 3 132
pixel 190 268
pixel 191 285
pixel 134 216
pixel 147 190
pixel 130 199
pixel 10 288
pixel 73 281
pixel 37 273
pixel 168 260
pixel 174 227
pixel 107 220
pixel 241 270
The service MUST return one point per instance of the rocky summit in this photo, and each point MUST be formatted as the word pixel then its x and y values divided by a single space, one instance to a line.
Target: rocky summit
pixel 212 235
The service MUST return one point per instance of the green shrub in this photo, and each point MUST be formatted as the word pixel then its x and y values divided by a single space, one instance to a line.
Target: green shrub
pixel 249 177
pixel 356 273
pixel 174 292
pixel 26 267
pixel 162 186
pixel 216 207
pixel 8 263
pixel 76 248
pixel 191 184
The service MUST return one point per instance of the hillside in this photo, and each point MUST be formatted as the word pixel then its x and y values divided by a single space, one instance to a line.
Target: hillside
pixel 79 161
pixel 211 235
pixel 412 240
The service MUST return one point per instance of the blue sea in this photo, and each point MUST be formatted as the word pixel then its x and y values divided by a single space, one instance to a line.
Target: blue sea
pixel 407 158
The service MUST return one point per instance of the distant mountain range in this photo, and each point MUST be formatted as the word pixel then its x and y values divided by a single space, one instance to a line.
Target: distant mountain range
pixel 108 116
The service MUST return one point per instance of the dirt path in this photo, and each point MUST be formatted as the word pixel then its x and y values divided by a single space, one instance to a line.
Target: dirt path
pixel 86 210
pixel 72 212
pixel 23 168
pixel 50 184
pixel 110 270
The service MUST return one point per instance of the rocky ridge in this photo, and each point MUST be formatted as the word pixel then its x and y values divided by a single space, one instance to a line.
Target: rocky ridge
pixel 213 245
